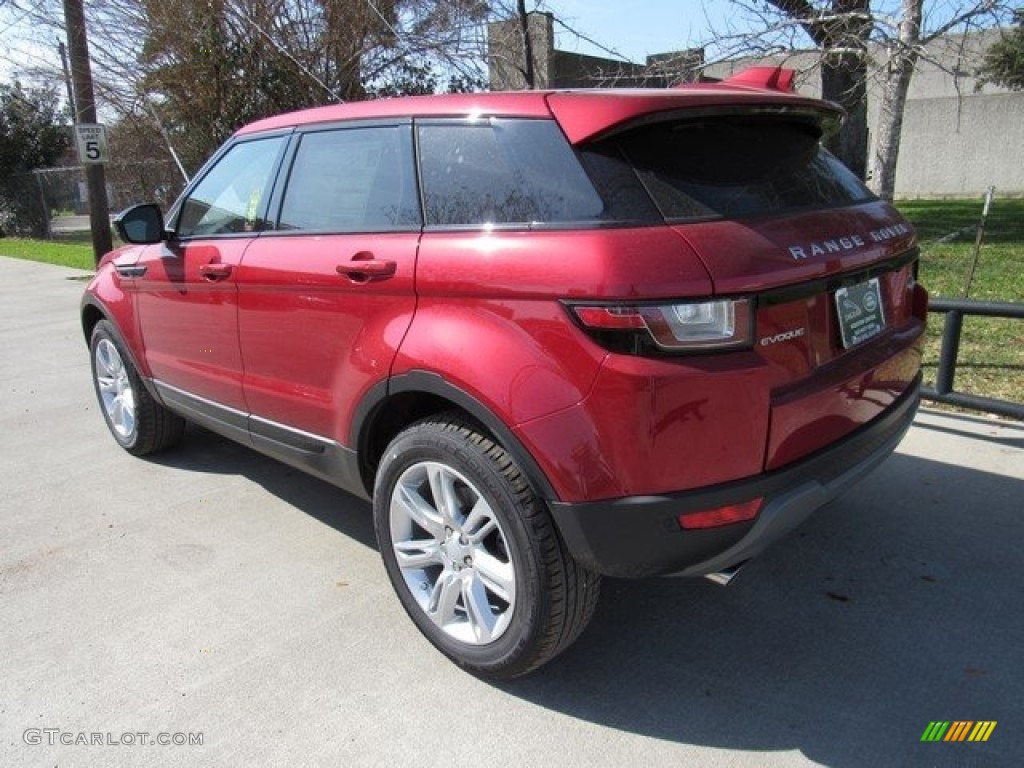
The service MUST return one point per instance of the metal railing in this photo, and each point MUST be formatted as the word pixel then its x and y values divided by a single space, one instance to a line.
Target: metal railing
pixel 943 391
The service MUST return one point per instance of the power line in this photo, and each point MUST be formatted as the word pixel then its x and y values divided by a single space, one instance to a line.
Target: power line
pixel 284 51
pixel 587 39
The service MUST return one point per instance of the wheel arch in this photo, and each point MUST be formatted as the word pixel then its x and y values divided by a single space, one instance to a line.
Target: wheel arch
pixel 92 312
pixel 393 405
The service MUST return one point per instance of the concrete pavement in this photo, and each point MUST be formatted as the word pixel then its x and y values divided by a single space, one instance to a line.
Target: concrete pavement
pixel 212 591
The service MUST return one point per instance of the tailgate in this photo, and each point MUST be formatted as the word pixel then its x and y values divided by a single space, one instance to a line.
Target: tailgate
pixel 837 362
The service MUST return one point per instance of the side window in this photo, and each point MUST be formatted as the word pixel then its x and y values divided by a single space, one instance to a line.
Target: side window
pixel 352 180
pixel 503 172
pixel 231 196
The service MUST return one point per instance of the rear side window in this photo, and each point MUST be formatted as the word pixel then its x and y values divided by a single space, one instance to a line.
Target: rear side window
pixel 737 166
pixel 352 180
pixel 503 171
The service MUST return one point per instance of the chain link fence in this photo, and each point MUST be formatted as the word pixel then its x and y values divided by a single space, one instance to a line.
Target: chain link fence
pixel 30 202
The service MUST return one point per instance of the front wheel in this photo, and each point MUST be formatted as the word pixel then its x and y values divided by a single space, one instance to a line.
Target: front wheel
pixel 473 554
pixel 139 423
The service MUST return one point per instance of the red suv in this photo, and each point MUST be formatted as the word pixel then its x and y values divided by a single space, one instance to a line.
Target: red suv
pixel 552 335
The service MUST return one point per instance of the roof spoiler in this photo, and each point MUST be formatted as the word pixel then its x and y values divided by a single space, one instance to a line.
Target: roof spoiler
pixel 765 78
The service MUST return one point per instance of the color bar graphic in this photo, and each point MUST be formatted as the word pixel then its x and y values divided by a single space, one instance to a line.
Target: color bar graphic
pixel 958 730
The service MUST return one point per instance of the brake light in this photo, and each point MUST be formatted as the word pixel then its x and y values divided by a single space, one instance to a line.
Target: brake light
pixel 679 327
pixel 610 318
pixel 713 518
pixel 767 78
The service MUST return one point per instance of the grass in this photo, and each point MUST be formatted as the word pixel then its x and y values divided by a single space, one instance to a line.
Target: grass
pixel 991 360
pixel 73 251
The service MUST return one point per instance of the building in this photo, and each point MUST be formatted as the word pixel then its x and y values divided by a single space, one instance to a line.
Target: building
pixel 561 69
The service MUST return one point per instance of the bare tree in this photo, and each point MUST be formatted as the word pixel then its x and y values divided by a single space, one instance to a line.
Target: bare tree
pixel 197 69
pixel 906 43
pixel 841 29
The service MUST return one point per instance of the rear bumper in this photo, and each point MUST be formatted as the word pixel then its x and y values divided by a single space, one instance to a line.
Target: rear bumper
pixel 640 535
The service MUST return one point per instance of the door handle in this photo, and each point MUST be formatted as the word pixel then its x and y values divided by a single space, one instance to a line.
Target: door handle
pixel 365 270
pixel 214 272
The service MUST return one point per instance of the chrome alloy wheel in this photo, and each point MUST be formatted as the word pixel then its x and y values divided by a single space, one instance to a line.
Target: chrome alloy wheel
pixel 115 388
pixel 452 553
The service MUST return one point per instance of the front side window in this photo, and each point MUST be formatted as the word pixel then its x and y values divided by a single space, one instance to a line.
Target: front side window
pixel 503 171
pixel 230 198
pixel 352 180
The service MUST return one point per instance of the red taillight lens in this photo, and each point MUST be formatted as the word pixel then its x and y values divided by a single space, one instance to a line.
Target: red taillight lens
pixel 680 327
pixel 713 518
pixel 611 318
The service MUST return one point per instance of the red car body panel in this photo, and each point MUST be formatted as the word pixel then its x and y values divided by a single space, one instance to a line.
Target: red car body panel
pixel 655 426
pixel 808 417
pixel 511 344
pixel 755 255
pixel 115 296
pixel 189 317
pixel 314 340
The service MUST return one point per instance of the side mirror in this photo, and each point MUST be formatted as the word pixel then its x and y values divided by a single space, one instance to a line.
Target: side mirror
pixel 141 224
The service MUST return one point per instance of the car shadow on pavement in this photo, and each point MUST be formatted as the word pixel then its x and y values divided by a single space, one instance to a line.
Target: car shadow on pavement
pixel 207 452
pixel 897 605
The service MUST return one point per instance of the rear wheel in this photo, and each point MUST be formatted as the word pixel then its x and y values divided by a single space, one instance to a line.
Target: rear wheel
pixel 138 422
pixel 473 553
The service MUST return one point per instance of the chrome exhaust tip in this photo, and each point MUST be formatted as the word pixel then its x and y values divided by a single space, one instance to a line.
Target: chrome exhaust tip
pixel 726 575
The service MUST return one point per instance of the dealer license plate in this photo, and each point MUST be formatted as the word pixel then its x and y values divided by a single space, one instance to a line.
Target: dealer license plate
pixel 860 312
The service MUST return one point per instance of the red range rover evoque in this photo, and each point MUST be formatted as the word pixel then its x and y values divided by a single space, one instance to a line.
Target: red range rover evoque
pixel 552 335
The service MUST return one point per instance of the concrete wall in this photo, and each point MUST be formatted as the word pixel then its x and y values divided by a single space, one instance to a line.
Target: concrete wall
pixel 958 148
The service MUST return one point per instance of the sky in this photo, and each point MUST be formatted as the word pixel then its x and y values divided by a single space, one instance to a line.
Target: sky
pixel 636 29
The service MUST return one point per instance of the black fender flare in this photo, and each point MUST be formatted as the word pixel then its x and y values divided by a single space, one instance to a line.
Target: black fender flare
pixel 431 383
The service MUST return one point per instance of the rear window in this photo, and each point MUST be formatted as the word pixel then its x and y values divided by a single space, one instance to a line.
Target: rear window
pixel 735 167
pixel 506 172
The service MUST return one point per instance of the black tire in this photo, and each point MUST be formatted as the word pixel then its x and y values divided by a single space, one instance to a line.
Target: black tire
pixel 553 597
pixel 151 427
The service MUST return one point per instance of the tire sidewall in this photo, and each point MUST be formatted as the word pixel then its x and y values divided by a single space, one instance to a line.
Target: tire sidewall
pixel 431 442
pixel 104 331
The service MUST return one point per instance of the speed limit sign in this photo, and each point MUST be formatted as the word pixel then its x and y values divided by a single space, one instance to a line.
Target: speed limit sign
pixel 92 143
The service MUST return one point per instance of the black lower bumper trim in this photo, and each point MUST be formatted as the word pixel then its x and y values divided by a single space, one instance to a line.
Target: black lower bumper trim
pixel 640 536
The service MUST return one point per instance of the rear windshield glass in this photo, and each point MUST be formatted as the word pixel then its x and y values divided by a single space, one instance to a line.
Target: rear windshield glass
pixel 736 166
pixel 507 172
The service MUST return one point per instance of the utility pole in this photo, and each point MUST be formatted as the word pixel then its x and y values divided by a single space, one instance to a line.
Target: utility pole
pixel 524 27
pixel 85 112
pixel 63 51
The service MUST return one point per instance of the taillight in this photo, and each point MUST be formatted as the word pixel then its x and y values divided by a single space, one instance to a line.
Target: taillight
pixel 679 327
pixel 713 518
